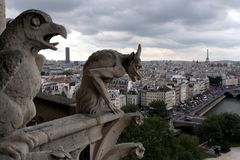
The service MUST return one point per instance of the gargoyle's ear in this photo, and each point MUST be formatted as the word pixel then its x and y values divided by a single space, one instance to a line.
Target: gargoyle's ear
pixel 131 57
pixel 139 50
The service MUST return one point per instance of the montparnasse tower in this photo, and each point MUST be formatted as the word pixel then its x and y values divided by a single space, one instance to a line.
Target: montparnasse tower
pixel 207 59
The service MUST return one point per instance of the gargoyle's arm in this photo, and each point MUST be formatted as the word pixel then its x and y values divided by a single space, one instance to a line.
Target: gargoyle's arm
pixel 40 61
pixel 98 74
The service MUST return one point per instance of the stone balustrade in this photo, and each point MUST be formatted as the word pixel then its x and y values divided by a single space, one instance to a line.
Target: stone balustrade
pixel 2 16
pixel 68 137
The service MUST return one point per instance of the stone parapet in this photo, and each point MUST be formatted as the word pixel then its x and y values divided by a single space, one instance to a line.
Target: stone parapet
pixel 67 137
pixel 2 16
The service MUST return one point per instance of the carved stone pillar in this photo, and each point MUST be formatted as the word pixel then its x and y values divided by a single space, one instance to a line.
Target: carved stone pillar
pixel 2 16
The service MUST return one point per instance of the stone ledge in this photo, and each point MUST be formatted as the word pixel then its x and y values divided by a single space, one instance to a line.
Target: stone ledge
pixel 75 123
pixel 74 133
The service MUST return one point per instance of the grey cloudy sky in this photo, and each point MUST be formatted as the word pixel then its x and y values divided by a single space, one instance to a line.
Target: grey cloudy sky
pixel 167 29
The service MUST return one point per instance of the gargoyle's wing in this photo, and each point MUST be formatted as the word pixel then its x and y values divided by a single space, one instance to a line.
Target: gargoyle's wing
pixel 10 62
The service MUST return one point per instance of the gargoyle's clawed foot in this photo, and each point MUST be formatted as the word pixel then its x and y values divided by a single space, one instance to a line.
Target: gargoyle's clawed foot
pixel 22 137
pixel 17 144
pixel 17 151
pixel 94 111
pixel 29 139
pixel 11 151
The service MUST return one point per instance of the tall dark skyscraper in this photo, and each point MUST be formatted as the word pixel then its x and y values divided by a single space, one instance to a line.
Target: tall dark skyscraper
pixel 207 59
pixel 67 52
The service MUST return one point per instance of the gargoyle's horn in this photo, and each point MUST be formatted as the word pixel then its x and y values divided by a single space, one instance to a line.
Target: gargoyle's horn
pixel 139 50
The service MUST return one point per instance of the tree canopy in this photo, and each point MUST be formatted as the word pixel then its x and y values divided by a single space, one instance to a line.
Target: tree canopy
pixel 130 108
pixel 160 142
pixel 220 129
pixel 215 80
pixel 158 108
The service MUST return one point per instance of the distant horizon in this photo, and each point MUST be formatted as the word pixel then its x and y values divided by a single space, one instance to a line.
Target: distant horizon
pixel 152 60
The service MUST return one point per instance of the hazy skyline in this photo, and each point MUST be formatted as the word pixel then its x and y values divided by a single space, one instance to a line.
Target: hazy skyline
pixel 167 29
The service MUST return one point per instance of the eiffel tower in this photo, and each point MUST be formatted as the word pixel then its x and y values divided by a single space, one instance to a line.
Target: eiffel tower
pixel 207 59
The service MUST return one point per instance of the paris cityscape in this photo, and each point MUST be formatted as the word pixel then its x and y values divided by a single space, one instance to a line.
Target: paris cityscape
pixel 192 90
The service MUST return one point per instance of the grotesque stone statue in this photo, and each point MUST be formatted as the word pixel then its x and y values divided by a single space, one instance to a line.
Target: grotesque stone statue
pixel 20 79
pixel 101 67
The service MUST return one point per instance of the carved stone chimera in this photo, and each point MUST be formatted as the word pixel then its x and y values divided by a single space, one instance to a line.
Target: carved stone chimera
pixel 20 79
pixel 101 67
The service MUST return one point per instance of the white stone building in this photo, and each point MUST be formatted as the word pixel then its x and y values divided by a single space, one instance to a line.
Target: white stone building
pixel 159 93
pixel 133 97
pixel 230 81
pixel 183 92
pixel 53 88
pixel 122 84
pixel 196 88
pixel 117 99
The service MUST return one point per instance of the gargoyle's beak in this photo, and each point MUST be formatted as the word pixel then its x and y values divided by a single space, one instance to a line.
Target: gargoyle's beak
pixel 54 30
pixel 62 30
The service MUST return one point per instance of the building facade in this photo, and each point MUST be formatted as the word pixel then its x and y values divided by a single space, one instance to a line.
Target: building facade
pixel 160 93
pixel 133 97
pixel 118 100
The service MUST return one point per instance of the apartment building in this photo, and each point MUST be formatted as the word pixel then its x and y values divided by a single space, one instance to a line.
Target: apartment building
pixel 159 93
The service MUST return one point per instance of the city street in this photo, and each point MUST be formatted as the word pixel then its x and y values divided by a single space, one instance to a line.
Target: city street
pixel 186 111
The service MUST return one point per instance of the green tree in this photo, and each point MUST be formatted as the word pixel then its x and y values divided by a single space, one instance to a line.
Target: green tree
pixel 215 80
pixel 130 108
pixel 220 129
pixel 152 133
pixel 231 126
pixel 158 108
pixel 186 148
pixel 160 143
pixel 211 131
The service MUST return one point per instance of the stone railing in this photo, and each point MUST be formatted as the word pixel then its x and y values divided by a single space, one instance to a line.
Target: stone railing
pixel 2 16
pixel 82 137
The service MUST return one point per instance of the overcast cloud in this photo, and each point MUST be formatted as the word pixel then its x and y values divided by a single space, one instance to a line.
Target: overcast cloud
pixel 167 29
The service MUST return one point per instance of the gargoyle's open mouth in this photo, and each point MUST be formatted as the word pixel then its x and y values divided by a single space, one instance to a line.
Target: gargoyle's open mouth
pixel 47 39
pixel 134 75
pixel 54 31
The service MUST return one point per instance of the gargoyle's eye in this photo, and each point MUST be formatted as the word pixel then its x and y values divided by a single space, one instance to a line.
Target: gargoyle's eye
pixel 35 22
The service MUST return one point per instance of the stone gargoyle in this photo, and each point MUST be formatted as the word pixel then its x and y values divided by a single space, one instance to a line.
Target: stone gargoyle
pixel 20 78
pixel 101 67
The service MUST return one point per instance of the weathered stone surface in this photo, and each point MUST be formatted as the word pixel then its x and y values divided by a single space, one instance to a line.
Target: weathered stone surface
pixel 2 16
pixel 60 128
pixel 101 67
pixel 107 148
pixel 20 79
pixel 100 135
pixel 122 150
